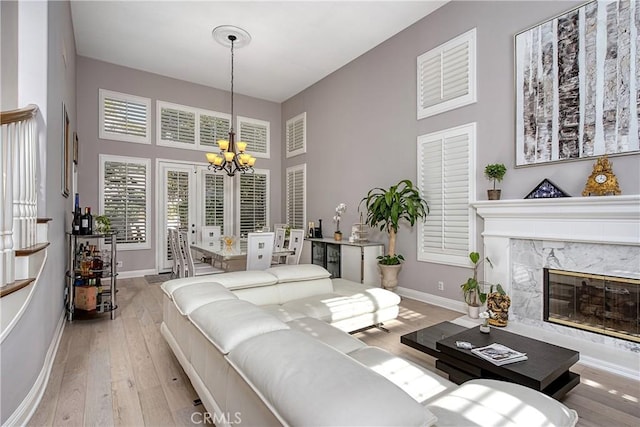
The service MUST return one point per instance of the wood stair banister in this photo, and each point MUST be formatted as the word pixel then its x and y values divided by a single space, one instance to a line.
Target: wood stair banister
pixel 18 115
pixel 31 249
pixel 15 286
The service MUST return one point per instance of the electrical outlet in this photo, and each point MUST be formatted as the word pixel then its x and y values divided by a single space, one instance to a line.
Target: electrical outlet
pixel 119 264
pixel 441 286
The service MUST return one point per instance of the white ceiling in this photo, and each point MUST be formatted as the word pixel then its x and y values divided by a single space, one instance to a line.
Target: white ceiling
pixel 294 43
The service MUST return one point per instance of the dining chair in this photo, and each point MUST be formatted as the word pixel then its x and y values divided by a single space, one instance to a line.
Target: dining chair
pixel 210 235
pixel 296 239
pixel 194 268
pixel 278 245
pixel 177 267
pixel 276 226
pixel 259 250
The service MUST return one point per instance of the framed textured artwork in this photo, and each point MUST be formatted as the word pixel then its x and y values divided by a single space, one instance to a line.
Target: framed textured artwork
pixel 75 148
pixel 578 84
pixel 66 153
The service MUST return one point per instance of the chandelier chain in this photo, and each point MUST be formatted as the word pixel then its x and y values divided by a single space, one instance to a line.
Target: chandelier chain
pixel 233 39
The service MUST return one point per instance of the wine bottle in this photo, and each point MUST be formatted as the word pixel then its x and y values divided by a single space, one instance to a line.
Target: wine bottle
pixel 75 226
pixel 86 222
pixel 90 221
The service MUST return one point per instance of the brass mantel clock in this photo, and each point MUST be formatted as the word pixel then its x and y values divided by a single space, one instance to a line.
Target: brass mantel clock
pixel 602 181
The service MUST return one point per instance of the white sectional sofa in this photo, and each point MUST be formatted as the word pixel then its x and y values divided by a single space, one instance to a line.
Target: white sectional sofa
pixel 262 351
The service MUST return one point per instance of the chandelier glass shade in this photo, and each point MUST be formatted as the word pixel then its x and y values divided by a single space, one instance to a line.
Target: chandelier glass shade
pixel 232 157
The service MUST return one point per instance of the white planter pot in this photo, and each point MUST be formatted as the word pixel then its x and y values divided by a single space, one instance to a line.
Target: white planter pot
pixel 473 311
pixel 389 276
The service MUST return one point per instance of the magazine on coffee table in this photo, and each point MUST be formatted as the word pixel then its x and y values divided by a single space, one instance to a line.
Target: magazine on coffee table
pixel 499 354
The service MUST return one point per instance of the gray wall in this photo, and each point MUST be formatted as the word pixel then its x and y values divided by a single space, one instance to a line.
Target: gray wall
pixel 94 75
pixel 25 348
pixel 9 57
pixel 362 125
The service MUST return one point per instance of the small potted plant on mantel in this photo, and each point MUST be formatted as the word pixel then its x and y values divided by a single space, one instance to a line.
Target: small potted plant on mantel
pixel 386 208
pixel 494 172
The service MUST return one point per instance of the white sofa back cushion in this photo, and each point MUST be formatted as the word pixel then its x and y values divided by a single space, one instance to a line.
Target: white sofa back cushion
pixel 228 323
pixel 297 273
pixel 308 382
pixel 231 280
pixel 245 279
pixel 188 298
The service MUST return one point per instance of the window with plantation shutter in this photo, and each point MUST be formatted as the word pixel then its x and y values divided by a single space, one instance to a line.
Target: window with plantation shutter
pixel 296 135
pixel 253 211
pixel 177 200
pixel 213 128
pixel 214 200
pixel 446 178
pixel 124 199
pixel 180 126
pixel 296 196
pixel 256 134
pixel 124 117
pixel 447 76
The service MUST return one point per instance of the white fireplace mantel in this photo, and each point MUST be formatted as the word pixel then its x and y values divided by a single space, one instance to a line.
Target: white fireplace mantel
pixel 609 222
pixel 606 219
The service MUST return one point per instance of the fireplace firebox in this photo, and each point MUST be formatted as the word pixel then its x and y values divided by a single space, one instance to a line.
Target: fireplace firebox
pixel 605 305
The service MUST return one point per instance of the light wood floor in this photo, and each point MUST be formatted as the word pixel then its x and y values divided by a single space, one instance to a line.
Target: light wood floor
pixel 121 372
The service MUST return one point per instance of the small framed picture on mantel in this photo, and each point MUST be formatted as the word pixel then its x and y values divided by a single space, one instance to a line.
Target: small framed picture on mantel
pixel 546 190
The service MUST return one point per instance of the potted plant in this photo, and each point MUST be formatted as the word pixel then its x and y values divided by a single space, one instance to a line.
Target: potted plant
pixel 103 224
pixel 472 290
pixel 386 209
pixel 494 172
pixel 340 209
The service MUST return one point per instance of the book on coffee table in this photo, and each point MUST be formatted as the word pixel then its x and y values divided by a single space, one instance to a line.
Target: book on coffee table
pixel 499 354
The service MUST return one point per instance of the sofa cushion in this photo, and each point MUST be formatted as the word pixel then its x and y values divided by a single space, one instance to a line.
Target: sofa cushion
pixel 296 273
pixel 245 279
pixel 418 382
pixel 227 323
pixel 326 333
pixel 379 297
pixel 283 313
pixel 327 307
pixel 306 381
pixel 290 291
pixel 188 298
pixel 499 403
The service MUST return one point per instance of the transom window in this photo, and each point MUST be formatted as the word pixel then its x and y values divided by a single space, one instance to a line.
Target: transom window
pixel 124 117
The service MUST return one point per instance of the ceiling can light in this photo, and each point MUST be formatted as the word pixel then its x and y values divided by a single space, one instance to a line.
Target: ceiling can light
pixel 232 157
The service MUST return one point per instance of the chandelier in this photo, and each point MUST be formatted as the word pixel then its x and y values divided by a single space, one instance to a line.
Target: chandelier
pixel 232 157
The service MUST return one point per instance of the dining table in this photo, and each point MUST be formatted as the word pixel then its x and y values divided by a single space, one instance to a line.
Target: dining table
pixel 231 257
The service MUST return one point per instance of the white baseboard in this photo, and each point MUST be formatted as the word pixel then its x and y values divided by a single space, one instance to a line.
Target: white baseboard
pixel 447 303
pixel 136 273
pixel 27 408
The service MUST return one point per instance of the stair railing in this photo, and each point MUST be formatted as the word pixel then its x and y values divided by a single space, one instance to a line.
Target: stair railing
pixel 18 191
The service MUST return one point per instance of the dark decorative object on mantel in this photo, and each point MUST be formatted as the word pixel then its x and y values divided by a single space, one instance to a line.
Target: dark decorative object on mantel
pixel 546 190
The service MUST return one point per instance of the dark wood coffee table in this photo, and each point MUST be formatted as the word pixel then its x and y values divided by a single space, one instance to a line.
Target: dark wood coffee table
pixel 546 370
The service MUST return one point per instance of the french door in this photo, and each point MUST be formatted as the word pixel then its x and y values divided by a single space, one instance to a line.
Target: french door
pixel 189 197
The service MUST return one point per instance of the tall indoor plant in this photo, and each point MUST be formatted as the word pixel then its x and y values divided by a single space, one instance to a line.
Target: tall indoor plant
pixel 386 209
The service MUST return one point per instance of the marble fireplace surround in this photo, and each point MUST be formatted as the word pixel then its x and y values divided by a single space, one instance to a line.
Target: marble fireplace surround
pixel 598 235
